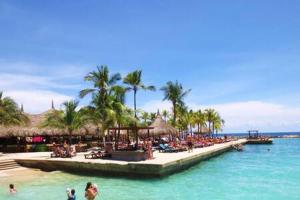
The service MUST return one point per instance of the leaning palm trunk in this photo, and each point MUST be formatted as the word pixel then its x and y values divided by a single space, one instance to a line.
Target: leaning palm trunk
pixel 174 113
pixel 102 134
pixel 134 101
pixel 70 135
pixel 117 138
pixel 213 128
pixel 135 115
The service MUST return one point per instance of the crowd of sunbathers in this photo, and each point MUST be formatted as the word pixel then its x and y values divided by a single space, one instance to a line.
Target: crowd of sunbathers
pixel 190 142
pixel 63 151
pixel 147 144
pixel 98 152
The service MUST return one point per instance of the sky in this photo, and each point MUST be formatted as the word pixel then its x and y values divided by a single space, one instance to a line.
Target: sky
pixel 238 57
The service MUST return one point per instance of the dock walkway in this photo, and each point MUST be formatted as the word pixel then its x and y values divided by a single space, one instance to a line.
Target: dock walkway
pixel 162 164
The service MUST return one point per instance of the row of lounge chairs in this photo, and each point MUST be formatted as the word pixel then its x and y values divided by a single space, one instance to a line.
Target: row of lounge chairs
pixel 167 149
pixel 97 154
pixel 182 146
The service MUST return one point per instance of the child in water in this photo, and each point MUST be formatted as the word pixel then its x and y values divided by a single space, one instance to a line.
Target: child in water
pixel 12 189
pixel 71 194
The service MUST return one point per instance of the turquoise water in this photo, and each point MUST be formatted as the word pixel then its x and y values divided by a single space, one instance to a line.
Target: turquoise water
pixel 255 173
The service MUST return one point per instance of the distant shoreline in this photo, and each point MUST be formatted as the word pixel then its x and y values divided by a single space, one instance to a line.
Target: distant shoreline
pixel 288 136
pixel 270 134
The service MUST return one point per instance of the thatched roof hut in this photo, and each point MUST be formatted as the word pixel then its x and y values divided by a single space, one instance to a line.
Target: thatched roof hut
pixel 160 127
pixel 33 128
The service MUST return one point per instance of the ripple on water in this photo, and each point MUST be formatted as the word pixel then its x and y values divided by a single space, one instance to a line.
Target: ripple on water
pixel 255 173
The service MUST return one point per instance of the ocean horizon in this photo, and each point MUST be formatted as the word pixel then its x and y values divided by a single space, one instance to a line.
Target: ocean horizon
pixel 271 134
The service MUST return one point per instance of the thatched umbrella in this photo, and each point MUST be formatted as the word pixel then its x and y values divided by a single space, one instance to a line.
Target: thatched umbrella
pixel 160 127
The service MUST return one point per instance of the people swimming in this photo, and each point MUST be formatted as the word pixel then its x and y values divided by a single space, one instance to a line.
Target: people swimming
pixel 91 191
pixel 12 189
pixel 71 194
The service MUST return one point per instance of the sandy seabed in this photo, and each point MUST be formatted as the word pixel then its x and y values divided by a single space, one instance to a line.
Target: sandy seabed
pixel 19 175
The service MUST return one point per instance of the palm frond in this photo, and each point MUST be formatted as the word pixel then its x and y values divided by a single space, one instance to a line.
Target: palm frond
pixel 85 92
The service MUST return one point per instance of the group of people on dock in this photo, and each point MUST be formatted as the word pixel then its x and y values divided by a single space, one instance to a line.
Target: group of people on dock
pixel 190 142
pixel 173 144
pixel 64 150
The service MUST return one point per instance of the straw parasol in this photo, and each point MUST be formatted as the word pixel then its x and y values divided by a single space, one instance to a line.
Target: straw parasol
pixel 160 127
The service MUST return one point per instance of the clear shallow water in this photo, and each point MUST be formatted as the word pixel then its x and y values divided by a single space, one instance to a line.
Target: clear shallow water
pixel 255 173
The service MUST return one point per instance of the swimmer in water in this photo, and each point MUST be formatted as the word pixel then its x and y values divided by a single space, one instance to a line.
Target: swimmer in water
pixel 12 189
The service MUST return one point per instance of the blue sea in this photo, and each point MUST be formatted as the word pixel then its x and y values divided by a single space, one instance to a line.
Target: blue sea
pixel 270 134
pixel 260 172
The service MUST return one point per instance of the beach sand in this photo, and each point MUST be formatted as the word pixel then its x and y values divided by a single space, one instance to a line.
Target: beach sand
pixel 19 175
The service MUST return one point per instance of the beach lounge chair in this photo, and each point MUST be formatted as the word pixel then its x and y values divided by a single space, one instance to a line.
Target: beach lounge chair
pixel 93 155
pixel 198 145
pixel 97 154
pixel 167 149
pixel 57 153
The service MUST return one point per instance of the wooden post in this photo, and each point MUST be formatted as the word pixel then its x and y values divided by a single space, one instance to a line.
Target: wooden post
pixel 128 139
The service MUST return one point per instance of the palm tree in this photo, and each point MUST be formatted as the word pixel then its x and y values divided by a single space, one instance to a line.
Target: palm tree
pixel 67 119
pixel 121 115
pixel 190 118
pixel 210 116
pixel 199 119
pixel 124 116
pixel 10 114
pixel 175 93
pixel 145 117
pixel 152 116
pixel 134 82
pixel 106 95
pixel 184 119
pixel 101 80
pixel 217 123
pixel 165 114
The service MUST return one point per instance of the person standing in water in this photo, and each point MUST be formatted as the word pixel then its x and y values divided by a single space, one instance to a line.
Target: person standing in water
pixel 91 191
pixel 71 194
pixel 12 189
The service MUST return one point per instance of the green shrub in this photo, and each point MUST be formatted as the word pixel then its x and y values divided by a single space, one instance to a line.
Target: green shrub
pixel 40 148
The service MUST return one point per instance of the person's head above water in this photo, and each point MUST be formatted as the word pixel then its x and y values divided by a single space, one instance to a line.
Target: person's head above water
pixel 73 192
pixel 88 185
pixel 12 189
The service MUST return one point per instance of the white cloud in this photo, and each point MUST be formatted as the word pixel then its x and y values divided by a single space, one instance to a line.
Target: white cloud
pixel 243 116
pixel 37 101
pixel 22 82
pixel 153 106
